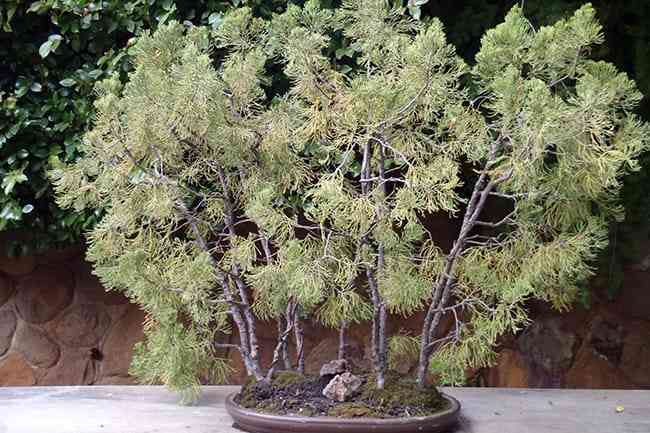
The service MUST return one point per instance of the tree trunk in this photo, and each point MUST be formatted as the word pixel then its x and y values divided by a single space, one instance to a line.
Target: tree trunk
pixel 441 292
pixel 378 336
pixel 300 343
pixel 284 355
pixel 343 340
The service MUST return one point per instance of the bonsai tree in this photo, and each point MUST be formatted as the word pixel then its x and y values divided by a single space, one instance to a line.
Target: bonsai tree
pixel 551 133
pixel 225 203
pixel 383 166
pixel 546 133
pixel 191 165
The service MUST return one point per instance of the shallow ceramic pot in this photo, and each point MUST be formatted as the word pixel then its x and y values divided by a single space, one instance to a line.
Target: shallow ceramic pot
pixel 255 422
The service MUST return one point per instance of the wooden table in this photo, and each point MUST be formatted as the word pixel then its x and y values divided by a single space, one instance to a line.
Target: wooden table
pixel 153 409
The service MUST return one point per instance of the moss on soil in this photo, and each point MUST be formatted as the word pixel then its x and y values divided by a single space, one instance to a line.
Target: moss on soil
pixel 246 396
pixel 286 378
pixel 402 391
pixel 292 393
pixel 353 410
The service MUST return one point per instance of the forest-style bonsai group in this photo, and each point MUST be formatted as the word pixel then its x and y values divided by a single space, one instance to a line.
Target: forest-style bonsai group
pixel 231 201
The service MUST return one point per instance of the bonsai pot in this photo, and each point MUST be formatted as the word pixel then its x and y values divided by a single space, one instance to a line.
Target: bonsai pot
pixel 255 422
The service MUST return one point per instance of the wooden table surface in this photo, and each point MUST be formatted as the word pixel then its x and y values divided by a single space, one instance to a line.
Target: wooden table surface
pixel 153 409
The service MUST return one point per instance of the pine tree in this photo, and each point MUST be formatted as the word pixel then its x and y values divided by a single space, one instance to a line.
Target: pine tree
pixel 373 126
pixel 198 171
pixel 191 165
pixel 547 132
pixel 555 132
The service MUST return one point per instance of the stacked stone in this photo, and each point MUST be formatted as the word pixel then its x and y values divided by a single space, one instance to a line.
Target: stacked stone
pixel 58 326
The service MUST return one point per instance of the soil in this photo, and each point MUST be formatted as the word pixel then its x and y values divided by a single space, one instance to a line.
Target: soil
pixel 290 393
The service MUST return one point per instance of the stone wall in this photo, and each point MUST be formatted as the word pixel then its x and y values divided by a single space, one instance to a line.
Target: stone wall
pixel 59 327
pixel 604 346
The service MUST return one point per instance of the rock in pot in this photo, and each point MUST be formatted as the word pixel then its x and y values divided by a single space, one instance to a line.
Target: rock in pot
pixel 333 368
pixel 342 386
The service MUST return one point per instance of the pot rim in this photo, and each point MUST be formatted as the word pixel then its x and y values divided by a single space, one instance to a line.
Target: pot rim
pixel 448 416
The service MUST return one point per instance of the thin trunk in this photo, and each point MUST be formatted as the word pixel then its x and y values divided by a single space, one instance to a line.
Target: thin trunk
pixel 444 284
pixel 284 355
pixel 267 250
pixel 252 366
pixel 383 336
pixel 343 340
pixel 229 219
pixel 248 313
pixel 377 337
pixel 300 342
pixel 246 332
pixel 282 339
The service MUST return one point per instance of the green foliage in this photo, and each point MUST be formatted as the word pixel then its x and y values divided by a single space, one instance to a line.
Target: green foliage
pixel 214 187
pixel 403 348
pixel 175 355
pixel 53 53
pixel 174 157
pixel 626 45
pixel 571 137
pixel 548 125
pixel 406 79
pixel 344 306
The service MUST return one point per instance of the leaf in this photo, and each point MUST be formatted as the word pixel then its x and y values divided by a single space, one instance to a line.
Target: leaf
pixel 167 15
pixel 52 43
pixel 36 87
pixel 10 212
pixel 68 82
pixel 28 208
pixel 22 86
pixel 45 48
pixel 11 179
pixel 95 73
pixel 7 24
pixel 215 19
pixel 35 7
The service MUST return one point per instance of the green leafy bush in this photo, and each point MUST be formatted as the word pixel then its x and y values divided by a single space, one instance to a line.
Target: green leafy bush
pixel 53 53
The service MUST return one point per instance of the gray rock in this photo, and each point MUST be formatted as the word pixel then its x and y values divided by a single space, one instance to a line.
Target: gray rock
pixel 342 386
pixel 333 368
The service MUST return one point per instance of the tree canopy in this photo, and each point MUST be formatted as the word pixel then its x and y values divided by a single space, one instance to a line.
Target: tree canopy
pixel 226 201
